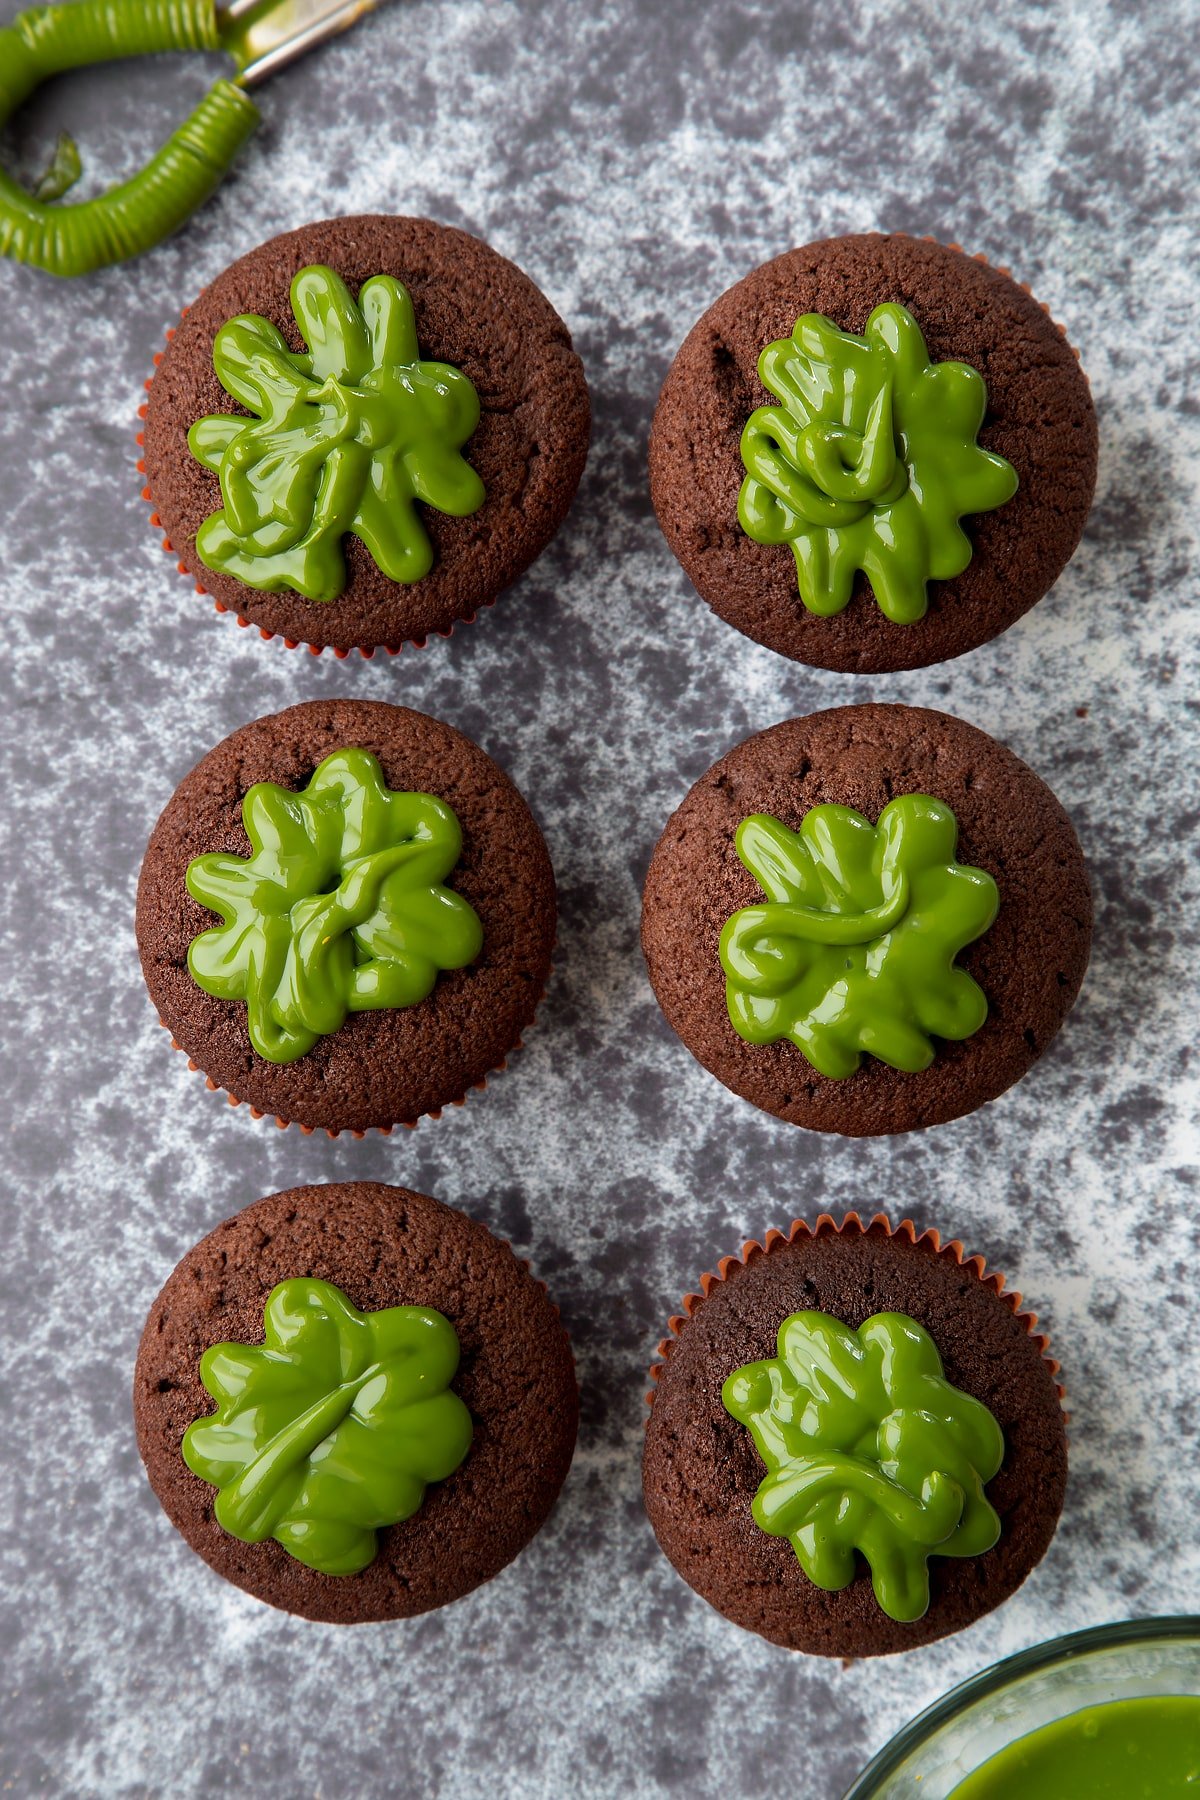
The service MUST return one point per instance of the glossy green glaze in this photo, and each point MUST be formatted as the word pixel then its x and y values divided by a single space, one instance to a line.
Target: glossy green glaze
pixel 332 1428
pixel 339 908
pixel 868 462
pixel 1120 1750
pixel 345 439
pixel 869 1451
pixel 854 950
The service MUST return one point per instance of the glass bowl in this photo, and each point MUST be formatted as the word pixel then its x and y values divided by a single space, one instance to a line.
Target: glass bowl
pixel 951 1739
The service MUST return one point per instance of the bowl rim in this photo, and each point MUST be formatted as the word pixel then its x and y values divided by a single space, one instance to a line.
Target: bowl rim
pixel 1170 1627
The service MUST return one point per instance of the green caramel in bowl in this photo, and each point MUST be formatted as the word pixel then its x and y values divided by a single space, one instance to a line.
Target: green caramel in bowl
pixel 1146 1749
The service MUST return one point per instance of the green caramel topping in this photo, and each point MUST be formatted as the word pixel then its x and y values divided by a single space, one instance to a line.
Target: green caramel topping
pixel 331 1429
pixel 338 909
pixel 868 462
pixel 854 950
pixel 869 1450
pixel 345 439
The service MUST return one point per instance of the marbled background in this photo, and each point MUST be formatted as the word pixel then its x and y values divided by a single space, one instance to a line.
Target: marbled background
pixel 635 159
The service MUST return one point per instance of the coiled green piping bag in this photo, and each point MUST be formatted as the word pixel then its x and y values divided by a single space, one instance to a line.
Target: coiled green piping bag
pixel 139 213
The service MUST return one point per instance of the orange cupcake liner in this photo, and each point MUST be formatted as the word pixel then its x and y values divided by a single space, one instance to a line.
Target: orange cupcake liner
pixel 367 651
pixel 826 1225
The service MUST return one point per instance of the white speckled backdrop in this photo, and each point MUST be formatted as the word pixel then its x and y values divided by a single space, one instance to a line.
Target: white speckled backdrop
pixel 635 158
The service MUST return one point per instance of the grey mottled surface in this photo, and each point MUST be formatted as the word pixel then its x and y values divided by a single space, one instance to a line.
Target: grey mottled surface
pixel 635 159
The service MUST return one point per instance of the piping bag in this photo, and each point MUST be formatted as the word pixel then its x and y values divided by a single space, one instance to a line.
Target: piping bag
pixel 260 35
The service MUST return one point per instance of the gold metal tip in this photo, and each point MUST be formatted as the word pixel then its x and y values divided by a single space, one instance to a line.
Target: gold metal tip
pixel 264 36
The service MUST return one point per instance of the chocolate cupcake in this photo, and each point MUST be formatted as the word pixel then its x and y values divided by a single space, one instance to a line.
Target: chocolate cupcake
pixel 868 920
pixel 346 915
pixel 874 453
pixel 355 1402
pixel 363 431
pixel 856 1441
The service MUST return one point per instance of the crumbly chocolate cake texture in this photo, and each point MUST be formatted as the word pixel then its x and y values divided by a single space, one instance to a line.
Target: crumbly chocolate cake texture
pixel 475 310
pixel 1039 417
pixel 701 1469
pixel 382 1246
pixel 1030 963
pixel 386 1067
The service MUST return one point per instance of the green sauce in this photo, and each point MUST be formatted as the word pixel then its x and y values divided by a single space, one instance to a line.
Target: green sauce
pixel 331 1429
pixel 870 1452
pixel 1121 1750
pixel 346 438
pixel 853 952
pixel 868 463
pixel 341 906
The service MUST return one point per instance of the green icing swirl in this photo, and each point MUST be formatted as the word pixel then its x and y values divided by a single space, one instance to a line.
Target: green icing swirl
pixel 868 463
pixel 339 908
pixel 854 951
pixel 332 1428
pixel 870 1450
pixel 345 439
